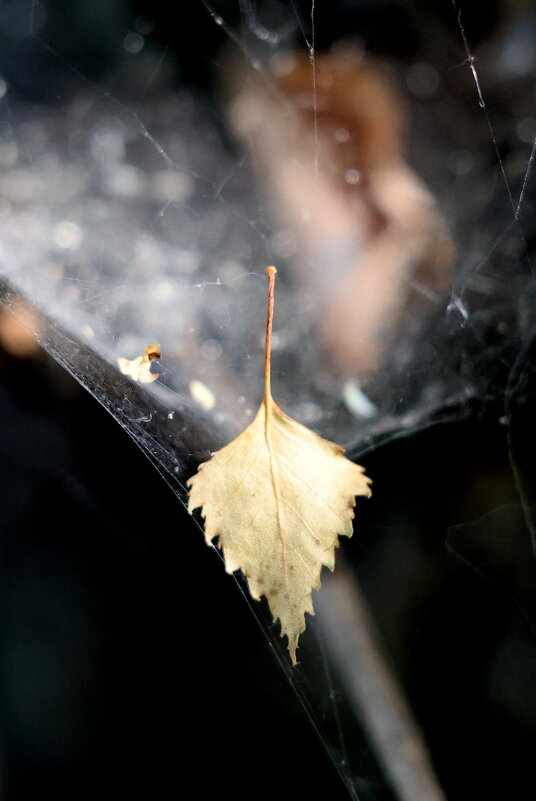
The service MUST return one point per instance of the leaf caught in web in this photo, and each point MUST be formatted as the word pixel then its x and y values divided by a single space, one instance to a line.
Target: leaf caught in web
pixel 277 498
pixel 139 369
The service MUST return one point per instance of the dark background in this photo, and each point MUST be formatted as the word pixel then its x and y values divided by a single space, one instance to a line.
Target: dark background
pixel 129 663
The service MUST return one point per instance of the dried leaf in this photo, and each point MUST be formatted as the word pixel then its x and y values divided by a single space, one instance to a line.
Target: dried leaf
pixel 139 369
pixel 278 497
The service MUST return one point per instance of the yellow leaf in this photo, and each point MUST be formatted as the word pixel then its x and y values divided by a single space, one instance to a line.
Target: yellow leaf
pixel 139 369
pixel 278 497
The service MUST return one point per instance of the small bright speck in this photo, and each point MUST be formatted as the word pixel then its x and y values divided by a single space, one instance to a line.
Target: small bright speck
pixel 133 43
pixel 211 350
pixel 352 177
pixel 3 88
pixel 356 401
pixel 202 395
pixel 67 235
pixel 342 135
pixel 218 20
pixel 262 33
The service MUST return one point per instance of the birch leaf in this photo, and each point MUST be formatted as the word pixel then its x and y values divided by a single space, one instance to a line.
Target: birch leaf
pixel 277 498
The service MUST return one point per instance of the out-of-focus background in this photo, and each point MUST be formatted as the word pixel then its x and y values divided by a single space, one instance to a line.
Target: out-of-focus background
pixel 154 158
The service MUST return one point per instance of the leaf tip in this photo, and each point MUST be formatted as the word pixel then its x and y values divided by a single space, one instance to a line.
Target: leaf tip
pixel 292 647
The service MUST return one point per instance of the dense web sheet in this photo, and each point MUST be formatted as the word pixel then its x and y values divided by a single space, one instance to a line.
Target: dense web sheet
pixel 128 233
pixel 137 213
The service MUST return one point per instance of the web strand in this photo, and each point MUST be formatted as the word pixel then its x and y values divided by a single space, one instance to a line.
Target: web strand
pixel 482 103
pixel 526 178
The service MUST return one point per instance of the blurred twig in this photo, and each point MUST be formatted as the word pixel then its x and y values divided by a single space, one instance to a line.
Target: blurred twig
pixel 372 689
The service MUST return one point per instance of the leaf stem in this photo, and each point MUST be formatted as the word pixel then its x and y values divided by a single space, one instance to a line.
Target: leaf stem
pixel 270 272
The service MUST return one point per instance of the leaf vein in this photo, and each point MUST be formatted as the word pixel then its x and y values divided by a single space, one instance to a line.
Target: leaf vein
pixel 307 526
pixel 247 470
pixel 314 492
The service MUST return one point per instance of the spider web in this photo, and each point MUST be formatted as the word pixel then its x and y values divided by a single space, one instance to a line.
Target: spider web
pixel 127 219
